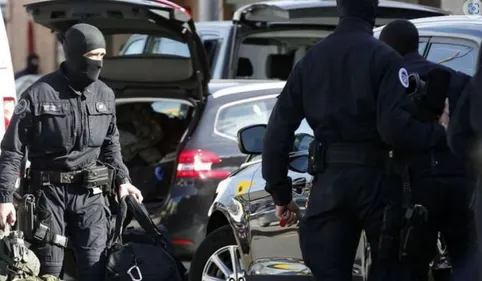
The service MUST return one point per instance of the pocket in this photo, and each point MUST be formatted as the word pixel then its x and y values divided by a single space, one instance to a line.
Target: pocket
pixel 99 117
pixel 53 123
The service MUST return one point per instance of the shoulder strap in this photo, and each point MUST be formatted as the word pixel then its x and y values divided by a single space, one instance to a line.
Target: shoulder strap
pixel 119 221
pixel 141 215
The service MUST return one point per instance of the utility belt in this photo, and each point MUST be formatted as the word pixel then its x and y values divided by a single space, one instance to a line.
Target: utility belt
pixel 97 176
pixel 37 230
pixel 345 154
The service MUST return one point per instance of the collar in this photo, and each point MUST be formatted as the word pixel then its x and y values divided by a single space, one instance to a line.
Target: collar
pixel 63 72
pixel 349 24
pixel 413 56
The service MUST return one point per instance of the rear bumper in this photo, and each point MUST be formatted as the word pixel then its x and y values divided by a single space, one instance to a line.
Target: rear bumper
pixel 186 214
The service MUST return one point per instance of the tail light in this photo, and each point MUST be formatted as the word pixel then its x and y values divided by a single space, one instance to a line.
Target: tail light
pixel 198 164
pixel 8 107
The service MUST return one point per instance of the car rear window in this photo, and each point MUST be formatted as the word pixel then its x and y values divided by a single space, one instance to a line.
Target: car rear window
pixel 142 44
pixel 231 117
pixel 234 116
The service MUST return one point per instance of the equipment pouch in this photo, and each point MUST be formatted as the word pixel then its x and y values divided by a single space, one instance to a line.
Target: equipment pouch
pixel 385 244
pixel 97 176
pixel 416 218
pixel 26 216
pixel 316 159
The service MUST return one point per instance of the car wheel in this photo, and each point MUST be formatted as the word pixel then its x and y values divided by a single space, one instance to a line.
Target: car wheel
pixel 217 258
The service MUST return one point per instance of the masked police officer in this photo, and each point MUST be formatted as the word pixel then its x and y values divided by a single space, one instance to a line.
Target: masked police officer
pixel 351 88
pixel 65 120
pixel 436 173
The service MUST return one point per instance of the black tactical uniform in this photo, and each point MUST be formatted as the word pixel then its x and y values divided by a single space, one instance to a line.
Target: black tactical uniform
pixel 465 129
pixel 66 119
pixel 439 179
pixel 351 88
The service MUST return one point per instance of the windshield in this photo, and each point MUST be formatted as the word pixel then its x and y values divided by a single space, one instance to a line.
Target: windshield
pixel 304 128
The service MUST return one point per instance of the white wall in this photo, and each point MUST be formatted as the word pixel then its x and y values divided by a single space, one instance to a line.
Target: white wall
pixel 454 6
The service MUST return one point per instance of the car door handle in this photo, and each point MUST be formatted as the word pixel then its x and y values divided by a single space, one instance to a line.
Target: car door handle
pixel 298 185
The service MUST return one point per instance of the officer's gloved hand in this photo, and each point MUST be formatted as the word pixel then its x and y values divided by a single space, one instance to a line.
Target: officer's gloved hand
pixel 444 118
pixel 129 189
pixel 7 214
pixel 288 214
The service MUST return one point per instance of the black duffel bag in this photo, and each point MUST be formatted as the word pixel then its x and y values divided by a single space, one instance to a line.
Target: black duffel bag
pixel 147 256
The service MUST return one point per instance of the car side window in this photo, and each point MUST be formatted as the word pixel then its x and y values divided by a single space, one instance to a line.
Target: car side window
pixel 456 56
pixel 231 117
pixel 134 48
pixel 421 47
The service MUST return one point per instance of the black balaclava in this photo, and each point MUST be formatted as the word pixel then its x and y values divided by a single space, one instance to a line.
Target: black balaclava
pixel 401 35
pixel 78 40
pixel 32 64
pixel 362 9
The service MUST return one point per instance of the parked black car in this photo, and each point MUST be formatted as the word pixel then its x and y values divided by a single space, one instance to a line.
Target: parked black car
pixel 264 40
pixel 243 236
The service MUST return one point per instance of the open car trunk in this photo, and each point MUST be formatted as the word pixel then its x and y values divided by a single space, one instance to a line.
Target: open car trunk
pixel 271 37
pixel 150 131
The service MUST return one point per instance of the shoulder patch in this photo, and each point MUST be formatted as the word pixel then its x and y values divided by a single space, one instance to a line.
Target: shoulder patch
pixel 21 107
pixel 101 107
pixel 403 77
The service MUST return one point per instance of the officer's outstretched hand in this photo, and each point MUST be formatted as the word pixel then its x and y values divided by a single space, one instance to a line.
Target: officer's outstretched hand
pixel 129 189
pixel 7 214
pixel 290 214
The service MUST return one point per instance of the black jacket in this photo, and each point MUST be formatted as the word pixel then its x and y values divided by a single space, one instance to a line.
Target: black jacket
pixel 350 88
pixel 62 128
pixel 438 161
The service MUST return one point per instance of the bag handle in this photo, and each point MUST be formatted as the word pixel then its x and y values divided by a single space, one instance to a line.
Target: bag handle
pixel 129 207
pixel 141 215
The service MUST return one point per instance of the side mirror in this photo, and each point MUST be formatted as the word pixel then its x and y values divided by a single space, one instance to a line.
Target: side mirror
pixel 302 142
pixel 250 139
pixel 299 164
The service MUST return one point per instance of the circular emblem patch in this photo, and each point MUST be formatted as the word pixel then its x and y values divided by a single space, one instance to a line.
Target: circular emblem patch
pixel 403 76
pixel 21 107
pixel 101 107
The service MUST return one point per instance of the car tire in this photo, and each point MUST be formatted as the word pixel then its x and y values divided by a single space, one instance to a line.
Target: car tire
pixel 219 238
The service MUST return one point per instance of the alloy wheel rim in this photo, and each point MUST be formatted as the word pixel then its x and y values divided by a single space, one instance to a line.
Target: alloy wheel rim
pixel 224 265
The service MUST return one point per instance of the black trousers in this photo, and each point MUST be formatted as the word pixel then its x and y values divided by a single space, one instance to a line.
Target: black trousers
pixel 83 217
pixel 343 201
pixel 447 200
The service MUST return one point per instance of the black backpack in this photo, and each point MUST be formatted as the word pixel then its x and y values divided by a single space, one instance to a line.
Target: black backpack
pixel 147 256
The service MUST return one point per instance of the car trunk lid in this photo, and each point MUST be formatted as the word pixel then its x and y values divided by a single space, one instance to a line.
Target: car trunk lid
pixel 160 18
pixel 266 14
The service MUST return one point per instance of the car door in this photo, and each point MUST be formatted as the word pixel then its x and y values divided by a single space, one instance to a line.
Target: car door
pixel 275 250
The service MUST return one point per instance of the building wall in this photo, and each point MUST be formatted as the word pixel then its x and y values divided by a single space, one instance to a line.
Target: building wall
pixel 454 6
pixel 17 20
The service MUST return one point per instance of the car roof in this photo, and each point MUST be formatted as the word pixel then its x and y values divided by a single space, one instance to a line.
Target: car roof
pixel 223 88
pixel 451 24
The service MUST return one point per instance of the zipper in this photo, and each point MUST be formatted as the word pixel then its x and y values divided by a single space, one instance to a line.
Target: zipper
pixel 81 112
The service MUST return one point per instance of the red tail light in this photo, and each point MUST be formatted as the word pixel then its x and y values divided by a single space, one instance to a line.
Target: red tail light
pixel 8 107
pixel 198 164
